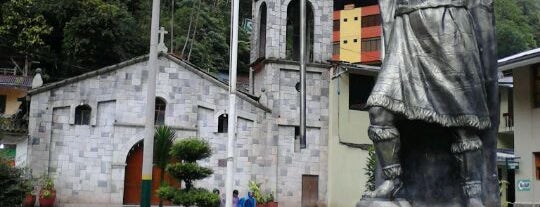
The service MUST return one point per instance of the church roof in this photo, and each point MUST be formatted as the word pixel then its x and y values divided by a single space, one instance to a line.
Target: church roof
pixel 189 66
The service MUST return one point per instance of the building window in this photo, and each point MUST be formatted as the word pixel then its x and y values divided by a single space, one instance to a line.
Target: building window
pixel 360 87
pixel 537 164
pixel 262 31
pixel 82 115
pixel 536 85
pixel 344 41
pixel 371 44
pixel 355 40
pixel 371 20
pixel 355 18
pixel 3 104
pixel 161 106
pixel 337 24
pixel 335 48
pixel 223 123
pixel 293 31
pixel 296 132
pixel 345 20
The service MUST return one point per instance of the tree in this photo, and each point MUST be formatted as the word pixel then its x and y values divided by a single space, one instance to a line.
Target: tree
pixel 513 30
pixel 163 140
pixel 101 34
pixel 202 30
pixel 188 151
pixel 23 28
pixel 90 34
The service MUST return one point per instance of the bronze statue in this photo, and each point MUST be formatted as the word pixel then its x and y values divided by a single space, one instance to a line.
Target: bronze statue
pixel 439 67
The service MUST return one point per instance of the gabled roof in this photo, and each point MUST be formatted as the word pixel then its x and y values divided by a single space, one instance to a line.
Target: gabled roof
pixel 16 81
pixel 518 60
pixel 187 65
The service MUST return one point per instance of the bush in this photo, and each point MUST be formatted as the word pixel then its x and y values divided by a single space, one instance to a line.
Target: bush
pixel 196 197
pixel 371 167
pixel 191 150
pixel 11 184
pixel 188 151
pixel 188 172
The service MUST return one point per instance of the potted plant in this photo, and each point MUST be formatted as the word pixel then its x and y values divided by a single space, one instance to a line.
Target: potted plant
pixel 29 198
pixel 263 200
pixel 47 194
pixel 269 199
pixel 28 185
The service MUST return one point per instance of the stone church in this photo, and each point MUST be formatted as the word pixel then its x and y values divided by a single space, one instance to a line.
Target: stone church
pixel 87 131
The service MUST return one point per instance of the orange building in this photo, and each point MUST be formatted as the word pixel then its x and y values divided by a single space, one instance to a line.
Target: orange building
pixel 357 34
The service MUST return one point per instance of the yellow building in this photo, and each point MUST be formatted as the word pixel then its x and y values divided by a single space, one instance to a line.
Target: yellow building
pixel 13 119
pixel 348 141
pixel 357 34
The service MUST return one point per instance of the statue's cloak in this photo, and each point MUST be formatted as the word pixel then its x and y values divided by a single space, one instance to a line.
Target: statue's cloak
pixel 414 69
pixel 433 66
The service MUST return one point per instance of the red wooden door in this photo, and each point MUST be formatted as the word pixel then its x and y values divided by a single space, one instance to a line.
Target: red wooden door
pixel 310 190
pixel 132 182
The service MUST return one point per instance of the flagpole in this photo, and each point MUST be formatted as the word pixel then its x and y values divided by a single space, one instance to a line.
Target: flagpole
pixel 303 144
pixel 148 150
pixel 232 104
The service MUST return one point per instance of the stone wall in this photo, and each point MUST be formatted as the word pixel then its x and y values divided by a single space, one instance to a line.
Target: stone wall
pixel 87 162
pixel 276 29
pixel 278 81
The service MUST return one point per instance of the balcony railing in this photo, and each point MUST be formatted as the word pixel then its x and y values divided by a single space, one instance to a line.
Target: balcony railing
pixel 8 71
pixel 13 125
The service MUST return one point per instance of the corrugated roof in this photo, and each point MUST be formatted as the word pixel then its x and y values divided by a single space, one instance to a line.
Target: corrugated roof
pixel 16 81
pixel 519 55
pixel 518 60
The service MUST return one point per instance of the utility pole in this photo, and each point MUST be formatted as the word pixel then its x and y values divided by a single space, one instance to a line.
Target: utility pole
pixel 148 152
pixel 172 26
pixel 303 144
pixel 232 104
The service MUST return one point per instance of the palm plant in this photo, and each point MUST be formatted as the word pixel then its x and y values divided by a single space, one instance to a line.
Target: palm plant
pixel 163 140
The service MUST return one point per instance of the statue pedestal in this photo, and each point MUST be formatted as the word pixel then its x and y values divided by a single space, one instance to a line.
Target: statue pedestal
pixel 383 203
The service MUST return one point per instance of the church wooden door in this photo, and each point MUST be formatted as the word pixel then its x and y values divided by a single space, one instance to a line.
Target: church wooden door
pixel 310 190
pixel 132 182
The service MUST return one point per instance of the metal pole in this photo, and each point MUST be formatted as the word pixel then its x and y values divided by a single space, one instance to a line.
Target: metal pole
pixel 172 26
pixel 303 144
pixel 232 104
pixel 251 81
pixel 148 152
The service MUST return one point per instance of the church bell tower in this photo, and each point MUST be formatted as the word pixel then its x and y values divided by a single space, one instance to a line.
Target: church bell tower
pixel 276 35
pixel 275 70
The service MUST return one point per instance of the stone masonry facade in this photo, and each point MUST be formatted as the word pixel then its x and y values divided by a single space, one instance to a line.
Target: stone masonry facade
pixel 275 82
pixel 88 162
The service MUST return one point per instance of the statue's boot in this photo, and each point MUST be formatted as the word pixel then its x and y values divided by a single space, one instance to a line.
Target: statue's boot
pixel 468 153
pixel 387 145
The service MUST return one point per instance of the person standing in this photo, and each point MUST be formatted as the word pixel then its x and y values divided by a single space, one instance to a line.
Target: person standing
pixel 248 201
pixel 235 198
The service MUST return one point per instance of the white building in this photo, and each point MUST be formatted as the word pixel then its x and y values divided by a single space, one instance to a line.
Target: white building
pixel 86 131
pixel 525 68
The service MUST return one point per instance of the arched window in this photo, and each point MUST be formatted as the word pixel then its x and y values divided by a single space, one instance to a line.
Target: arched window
pixel 160 111
pixel 262 31
pixel 82 115
pixel 223 123
pixel 293 31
